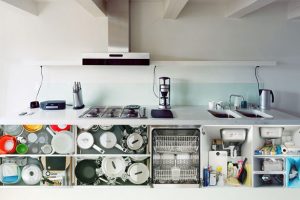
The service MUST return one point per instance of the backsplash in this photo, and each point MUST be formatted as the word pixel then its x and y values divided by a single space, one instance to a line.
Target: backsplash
pixel 182 93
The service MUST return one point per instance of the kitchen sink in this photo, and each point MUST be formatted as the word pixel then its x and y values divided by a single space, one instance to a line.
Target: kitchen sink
pixel 254 114
pixel 224 114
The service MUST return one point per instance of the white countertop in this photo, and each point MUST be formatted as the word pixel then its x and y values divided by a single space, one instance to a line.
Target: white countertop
pixel 183 115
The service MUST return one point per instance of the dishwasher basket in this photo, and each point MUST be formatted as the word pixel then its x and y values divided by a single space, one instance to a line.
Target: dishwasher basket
pixel 176 144
pixel 167 175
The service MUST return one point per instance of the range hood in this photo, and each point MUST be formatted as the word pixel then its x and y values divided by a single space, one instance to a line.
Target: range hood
pixel 118 13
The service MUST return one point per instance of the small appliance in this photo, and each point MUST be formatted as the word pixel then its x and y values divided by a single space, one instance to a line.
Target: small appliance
pixel 266 98
pixel 53 105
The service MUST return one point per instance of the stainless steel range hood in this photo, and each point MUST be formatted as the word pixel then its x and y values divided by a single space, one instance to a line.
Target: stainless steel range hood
pixel 118 13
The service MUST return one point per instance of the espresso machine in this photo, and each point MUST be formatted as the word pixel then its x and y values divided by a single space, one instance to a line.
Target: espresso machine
pixel 164 100
pixel 164 93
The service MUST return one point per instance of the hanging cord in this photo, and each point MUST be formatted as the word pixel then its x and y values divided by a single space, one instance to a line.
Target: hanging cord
pixel 42 76
pixel 256 76
pixel 154 78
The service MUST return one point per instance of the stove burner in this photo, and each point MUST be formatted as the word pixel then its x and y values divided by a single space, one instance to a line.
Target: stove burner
pixel 132 113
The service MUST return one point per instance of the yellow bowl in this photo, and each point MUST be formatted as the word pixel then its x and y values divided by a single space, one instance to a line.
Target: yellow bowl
pixel 32 128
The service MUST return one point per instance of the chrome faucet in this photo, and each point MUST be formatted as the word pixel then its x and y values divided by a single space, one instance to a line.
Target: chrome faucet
pixel 235 95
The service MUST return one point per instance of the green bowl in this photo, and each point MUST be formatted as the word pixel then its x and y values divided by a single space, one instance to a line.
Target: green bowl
pixel 22 148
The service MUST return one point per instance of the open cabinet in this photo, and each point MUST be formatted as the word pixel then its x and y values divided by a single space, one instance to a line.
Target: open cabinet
pixel 36 171
pixel 175 155
pixel 276 156
pixel 224 149
pixel 115 155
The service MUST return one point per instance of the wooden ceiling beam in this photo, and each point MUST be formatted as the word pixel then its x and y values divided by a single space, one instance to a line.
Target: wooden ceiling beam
pixel 173 8
pixel 241 8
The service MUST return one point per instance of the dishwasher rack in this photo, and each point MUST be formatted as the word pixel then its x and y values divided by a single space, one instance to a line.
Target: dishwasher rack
pixel 176 144
pixel 168 175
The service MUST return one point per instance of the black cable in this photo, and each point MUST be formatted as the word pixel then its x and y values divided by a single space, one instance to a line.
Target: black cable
pixel 256 76
pixel 40 83
pixel 153 83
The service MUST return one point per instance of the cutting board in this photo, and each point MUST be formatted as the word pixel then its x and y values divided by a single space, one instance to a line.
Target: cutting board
pixel 216 159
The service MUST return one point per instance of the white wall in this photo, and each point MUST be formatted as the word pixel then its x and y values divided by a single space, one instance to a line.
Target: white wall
pixel 64 30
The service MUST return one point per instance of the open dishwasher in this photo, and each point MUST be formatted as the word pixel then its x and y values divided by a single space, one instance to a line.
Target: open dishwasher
pixel 175 155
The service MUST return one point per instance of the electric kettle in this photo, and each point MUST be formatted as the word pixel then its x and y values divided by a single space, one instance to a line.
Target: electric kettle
pixel 266 98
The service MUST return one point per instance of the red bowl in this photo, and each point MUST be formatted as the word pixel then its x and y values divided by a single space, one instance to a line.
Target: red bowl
pixel 8 141
pixel 59 128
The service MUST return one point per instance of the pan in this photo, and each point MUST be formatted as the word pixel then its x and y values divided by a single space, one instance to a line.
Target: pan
pixel 85 140
pixel 85 171
pixel 109 140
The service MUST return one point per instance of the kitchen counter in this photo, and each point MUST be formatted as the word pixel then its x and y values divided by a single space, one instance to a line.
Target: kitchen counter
pixel 184 115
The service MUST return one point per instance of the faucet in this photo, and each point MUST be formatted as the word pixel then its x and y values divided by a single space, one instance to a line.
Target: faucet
pixel 235 95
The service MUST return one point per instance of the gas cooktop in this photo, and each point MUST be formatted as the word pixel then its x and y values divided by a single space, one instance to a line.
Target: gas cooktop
pixel 130 111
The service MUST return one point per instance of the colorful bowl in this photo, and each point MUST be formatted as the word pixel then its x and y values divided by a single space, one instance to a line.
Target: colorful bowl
pixel 33 128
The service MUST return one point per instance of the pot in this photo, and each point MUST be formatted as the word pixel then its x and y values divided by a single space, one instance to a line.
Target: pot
pixel 13 130
pixel 85 171
pixel 85 140
pixel 8 144
pixel 113 167
pixel 60 127
pixel 138 173
pixel 109 140
pixel 33 128
pixel 134 141
pixel 31 174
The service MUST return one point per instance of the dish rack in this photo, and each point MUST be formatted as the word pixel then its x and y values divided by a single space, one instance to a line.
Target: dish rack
pixel 176 144
pixel 168 175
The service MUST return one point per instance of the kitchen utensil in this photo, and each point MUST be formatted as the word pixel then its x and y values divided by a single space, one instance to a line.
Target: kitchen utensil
pixel 21 140
pixel 60 127
pixel 32 137
pixel 138 173
pixel 113 167
pixel 109 140
pixel 31 174
pixel 77 96
pixel 62 143
pixel 47 149
pixel 13 130
pixel 85 171
pixel 242 175
pixel 175 171
pixel 212 105
pixel 8 144
pixel 85 140
pixel 106 127
pixel 134 141
pixel 266 98
pixel 33 128
pixel 10 173
pixel 218 159
pixel 21 148
pixel 84 127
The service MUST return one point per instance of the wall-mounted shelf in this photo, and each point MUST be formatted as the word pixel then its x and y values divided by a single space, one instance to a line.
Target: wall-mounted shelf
pixel 77 63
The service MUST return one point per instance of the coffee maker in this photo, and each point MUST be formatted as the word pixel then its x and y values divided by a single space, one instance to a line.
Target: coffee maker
pixel 164 93
pixel 164 107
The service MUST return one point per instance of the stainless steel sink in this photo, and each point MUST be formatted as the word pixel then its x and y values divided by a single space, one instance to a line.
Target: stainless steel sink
pixel 254 114
pixel 224 114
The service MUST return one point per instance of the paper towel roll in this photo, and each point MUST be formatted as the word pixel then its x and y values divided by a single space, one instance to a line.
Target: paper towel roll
pixel 284 150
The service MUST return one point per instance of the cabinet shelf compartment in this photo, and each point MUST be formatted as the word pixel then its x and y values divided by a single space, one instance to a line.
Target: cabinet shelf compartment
pixel 269 180
pixel 55 171
pixel 121 132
